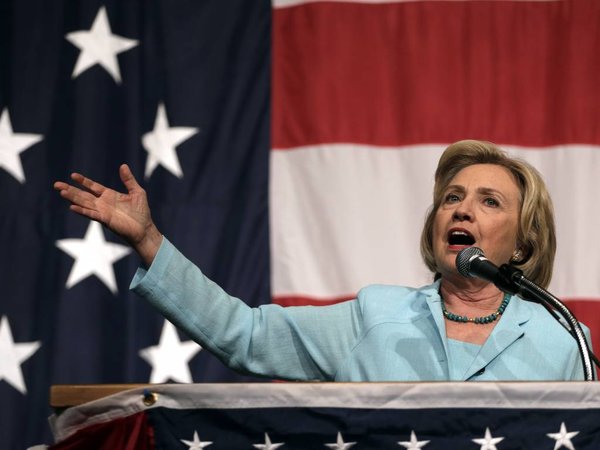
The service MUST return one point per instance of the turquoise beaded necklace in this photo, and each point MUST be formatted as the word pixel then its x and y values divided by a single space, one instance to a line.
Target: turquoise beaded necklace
pixel 479 320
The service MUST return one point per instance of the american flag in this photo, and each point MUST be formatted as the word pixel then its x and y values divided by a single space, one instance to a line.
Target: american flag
pixel 340 416
pixel 288 149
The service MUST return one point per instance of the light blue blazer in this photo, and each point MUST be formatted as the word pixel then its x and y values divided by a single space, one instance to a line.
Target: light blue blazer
pixel 389 333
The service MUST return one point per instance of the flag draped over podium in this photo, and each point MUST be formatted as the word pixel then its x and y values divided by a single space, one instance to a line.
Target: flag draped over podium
pixel 339 416
pixel 287 148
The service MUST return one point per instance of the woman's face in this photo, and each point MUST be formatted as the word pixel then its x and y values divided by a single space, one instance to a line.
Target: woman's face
pixel 480 207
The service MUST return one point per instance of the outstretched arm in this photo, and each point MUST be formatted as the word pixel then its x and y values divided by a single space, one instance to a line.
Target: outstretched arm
pixel 128 214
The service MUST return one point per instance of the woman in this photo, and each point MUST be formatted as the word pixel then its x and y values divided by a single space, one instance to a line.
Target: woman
pixel 481 196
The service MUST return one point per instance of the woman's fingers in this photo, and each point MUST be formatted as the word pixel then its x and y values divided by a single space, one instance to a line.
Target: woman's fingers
pixel 127 178
pixel 75 195
pixel 86 212
pixel 60 186
pixel 95 188
pixel 95 201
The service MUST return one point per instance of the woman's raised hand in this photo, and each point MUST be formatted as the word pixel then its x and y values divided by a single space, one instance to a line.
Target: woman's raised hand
pixel 128 214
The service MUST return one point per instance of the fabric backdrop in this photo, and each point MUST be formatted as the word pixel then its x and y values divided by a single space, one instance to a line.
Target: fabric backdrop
pixel 287 149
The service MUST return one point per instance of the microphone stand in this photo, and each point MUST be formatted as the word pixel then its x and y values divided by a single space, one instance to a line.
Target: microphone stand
pixel 531 291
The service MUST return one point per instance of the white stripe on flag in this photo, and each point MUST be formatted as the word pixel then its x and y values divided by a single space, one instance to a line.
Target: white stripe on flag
pixel 344 216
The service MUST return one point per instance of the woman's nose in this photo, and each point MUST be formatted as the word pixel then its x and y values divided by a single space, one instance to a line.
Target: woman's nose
pixel 463 212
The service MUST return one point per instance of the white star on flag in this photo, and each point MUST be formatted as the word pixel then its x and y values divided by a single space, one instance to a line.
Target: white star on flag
pixel 196 444
pixel 93 256
pixel 488 442
pixel 268 445
pixel 12 355
pixel 12 145
pixel 169 359
pixel 340 444
pixel 160 144
pixel 99 46
pixel 414 443
pixel 563 437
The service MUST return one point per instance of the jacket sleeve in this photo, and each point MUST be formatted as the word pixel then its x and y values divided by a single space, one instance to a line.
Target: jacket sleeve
pixel 297 343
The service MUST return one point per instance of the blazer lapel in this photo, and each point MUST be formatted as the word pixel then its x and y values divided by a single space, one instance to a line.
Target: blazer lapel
pixel 507 330
pixel 434 302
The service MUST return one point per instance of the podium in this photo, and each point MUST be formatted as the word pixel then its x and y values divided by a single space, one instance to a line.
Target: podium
pixel 433 416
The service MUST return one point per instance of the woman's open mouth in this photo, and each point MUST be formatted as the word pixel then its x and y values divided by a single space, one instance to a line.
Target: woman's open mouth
pixel 459 239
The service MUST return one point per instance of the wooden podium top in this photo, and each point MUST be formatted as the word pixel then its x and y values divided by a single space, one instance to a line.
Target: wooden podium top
pixel 67 395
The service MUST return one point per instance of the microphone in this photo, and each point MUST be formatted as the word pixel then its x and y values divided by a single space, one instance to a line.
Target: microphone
pixel 472 263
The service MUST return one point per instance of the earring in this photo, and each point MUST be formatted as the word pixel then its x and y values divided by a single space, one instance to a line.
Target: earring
pixel 516 256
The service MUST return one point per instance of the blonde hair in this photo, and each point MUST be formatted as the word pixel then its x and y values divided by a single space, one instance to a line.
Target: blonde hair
pixel 536 239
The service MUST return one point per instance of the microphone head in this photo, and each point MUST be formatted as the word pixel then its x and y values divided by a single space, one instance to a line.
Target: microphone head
pixel 464 258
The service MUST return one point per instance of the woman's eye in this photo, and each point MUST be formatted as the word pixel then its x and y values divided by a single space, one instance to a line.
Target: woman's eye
pixel 491 202
pixel 452 198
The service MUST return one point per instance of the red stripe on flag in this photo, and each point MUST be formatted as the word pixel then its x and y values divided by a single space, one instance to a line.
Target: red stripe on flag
pixel 397 74
pixel 298 300
pixel 588 312
pixel 127 433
